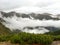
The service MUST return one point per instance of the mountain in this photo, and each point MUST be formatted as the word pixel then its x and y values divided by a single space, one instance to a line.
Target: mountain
pixel 32 22
pixel 52 29
pixel 45 16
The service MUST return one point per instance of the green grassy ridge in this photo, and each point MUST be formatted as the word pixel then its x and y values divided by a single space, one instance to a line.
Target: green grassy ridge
pixel 54 33
pixel 4 30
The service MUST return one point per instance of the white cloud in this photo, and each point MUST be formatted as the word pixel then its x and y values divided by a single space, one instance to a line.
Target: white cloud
pixel 19 23
pixel 50 6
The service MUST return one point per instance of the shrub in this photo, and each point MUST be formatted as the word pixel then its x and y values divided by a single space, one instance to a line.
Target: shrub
pixel 26 38
pixel 3 38
pixel 16 39
pixel 56 38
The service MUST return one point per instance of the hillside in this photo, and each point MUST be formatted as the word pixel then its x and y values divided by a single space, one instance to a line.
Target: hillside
pixel 3 29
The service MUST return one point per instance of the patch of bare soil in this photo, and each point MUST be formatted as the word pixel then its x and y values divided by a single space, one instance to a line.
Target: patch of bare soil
pixel 7 43
pixel 56 43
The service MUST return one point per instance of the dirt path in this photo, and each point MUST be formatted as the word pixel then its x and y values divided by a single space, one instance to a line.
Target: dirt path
pixel 8 43
pixel 56 43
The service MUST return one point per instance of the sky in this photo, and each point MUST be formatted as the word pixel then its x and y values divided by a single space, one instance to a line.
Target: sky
pixel 41 6
pixel 26 6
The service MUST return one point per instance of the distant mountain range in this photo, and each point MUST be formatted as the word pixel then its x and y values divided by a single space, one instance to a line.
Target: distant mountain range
pixel 43 16
pixel 33 16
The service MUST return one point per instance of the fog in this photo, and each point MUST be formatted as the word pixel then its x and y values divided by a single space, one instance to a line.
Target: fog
pixel 19 23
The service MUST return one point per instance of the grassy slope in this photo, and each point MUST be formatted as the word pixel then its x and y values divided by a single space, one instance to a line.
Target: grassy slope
pixel 3 29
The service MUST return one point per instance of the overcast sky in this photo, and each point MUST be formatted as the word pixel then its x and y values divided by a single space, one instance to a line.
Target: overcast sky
pixel 52 6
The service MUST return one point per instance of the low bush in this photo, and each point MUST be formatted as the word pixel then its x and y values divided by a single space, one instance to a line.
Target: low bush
pixel 26 38
pixel 3 38
pixel 57 38
pixel 16 39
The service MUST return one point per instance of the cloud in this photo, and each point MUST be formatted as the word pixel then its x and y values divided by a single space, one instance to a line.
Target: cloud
pixel 15 22
pixel 10 4
pixel 19 23
pixel 37 6
pixel 50 6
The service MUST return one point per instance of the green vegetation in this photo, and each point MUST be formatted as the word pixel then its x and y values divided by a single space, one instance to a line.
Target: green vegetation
pixel 27 38
pixel 54 33
pixel 4 30
pixel 31 38
pixel 57 38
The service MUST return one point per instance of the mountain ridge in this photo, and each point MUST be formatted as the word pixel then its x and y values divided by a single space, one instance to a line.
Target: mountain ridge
pixel 45 16
pixel 26 19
